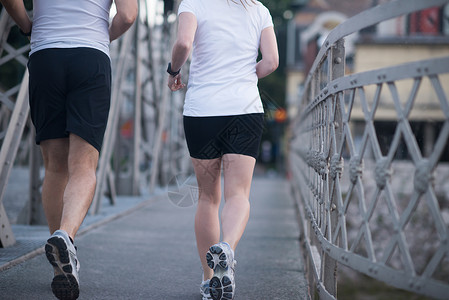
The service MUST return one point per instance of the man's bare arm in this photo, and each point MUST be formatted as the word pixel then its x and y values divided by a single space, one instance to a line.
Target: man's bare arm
pixel 16 9
pixel 124 19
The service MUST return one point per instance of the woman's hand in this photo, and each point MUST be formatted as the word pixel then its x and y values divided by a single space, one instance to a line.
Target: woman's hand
pixel 175 83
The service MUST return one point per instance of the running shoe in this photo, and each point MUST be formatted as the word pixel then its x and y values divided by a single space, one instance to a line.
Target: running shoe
pixel 220 258
pixel 61 254
pixel 204 290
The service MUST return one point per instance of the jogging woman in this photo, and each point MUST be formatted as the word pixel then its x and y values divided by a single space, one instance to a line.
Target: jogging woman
pixel 223 120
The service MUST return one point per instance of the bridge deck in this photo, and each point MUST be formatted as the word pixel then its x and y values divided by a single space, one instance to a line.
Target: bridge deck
pixel 150 253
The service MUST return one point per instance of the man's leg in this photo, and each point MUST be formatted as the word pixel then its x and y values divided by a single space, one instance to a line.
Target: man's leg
pixel 81 163
pixel 80 189
pixel 55 154
pixel 69 183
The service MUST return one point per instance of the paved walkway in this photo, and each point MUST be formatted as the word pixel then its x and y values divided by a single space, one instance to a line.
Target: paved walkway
pixel 151 254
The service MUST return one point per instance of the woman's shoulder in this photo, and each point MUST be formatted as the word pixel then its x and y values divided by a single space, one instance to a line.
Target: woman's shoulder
pixel 259 7
pixel 261 10
pixel 197 4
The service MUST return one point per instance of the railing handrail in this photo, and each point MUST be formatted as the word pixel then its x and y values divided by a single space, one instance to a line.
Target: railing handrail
pixel 384 75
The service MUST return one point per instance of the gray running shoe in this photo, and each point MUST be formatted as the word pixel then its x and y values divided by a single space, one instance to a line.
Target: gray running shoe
pixel 61 254
pixel 220 258
pixel 204 290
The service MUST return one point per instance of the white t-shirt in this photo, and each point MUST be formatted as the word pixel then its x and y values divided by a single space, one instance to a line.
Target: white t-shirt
pixel 223 79
pixel 70 24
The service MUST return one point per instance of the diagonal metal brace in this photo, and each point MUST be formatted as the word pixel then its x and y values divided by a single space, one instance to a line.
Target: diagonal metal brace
pixel 8 153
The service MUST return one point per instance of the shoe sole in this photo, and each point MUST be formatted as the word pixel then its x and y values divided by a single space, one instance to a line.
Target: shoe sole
pixel 64 287
pixel 220 286
pixel 216 253
pixel 204 290
pixel 221 289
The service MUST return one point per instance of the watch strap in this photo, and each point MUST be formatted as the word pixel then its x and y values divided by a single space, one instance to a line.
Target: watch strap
pixel 171 72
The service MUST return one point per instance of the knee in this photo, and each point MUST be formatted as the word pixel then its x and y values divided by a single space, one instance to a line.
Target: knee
pixel 209 198
pixel 237 195
pixel 55 155
pixel 85 175
pixel 56 164
pixel 83 170
pixel 82 165
pixel 238 200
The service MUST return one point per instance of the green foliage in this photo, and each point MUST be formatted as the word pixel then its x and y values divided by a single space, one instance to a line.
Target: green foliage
pixel 277 9
pixel 28 4
pixel 272 88
pixel 275 84
pixel 11 73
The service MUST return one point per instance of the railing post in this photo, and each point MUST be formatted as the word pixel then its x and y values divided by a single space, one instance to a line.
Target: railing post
pixel 137 132
pixel 336 70
pixel 111 128
pixel 8 153
pixel 33 212
pixel 37 216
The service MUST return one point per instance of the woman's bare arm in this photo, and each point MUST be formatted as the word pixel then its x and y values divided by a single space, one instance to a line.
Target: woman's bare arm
pixel 181 49
pixel 270 55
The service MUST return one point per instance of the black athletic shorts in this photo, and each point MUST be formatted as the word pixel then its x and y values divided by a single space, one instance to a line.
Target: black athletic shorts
pixel 212 137
pixel 70 92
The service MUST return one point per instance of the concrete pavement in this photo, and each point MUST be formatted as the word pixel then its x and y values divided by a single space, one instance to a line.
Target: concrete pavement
pixel 151 254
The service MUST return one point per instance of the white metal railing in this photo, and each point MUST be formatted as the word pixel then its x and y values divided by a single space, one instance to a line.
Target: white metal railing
pixel 14 115
pixel 353 209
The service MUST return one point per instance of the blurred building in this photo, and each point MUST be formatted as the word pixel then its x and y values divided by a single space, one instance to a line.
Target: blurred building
pixel 307 30
pixel 414 37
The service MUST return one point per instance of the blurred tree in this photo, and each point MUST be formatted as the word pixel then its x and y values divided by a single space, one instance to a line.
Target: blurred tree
pixel 277 9
pixel 272 88
pixel 274 84
pixel 11 73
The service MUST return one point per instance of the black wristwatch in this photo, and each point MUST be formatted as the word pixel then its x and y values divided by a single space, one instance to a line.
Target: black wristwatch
pixel 171 72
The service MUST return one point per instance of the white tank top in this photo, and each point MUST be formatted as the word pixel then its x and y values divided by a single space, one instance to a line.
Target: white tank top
pixel 70 24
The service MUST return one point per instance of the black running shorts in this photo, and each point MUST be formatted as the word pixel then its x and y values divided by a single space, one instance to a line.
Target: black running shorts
pixel 212 137
pixel 70 92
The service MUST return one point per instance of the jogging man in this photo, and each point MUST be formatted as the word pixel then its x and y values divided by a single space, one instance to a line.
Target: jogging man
pixel 70 91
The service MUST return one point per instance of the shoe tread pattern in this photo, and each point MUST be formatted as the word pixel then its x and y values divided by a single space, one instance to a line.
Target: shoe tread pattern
pixel 220 286
pixel 64 286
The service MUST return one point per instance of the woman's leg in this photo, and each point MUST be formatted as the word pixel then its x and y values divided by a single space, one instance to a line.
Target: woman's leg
pixel 238 173
pixel 207 223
